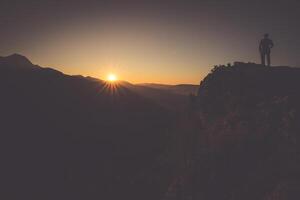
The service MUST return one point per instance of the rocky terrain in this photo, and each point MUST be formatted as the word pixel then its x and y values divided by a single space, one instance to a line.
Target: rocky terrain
pixel 241 136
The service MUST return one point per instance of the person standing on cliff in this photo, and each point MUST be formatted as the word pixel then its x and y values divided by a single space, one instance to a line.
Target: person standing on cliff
pixel 265 47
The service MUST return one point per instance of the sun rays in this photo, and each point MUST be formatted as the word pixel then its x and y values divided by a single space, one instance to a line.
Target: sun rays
pixel 112 77
pixel 112 86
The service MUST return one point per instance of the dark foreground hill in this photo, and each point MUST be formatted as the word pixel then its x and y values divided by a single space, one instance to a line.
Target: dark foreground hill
pixel 70 137
pixel 241 137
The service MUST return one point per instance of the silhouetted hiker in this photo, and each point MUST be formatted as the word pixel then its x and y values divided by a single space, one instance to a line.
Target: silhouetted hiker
pixel 265 49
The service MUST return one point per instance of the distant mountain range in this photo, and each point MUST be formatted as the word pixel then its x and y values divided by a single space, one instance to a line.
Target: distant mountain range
pixel 71 137
pixel 182 89
pixel 15 61
pixel 173 100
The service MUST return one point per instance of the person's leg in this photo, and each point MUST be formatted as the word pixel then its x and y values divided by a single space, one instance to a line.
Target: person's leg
pixel 269 59
pixel 262 58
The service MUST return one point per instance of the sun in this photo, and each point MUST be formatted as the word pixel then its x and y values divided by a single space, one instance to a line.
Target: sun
pixel 111 77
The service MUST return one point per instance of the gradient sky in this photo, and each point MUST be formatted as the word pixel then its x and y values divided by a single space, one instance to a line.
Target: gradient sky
pixel 148 41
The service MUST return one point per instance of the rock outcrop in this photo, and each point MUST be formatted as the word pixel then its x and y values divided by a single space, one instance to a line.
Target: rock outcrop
pixel 246 121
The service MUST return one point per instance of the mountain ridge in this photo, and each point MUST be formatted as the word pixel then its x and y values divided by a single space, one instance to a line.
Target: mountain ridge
pixel 16 60
pixel 64 134
pixel 171 99
pixel 182 89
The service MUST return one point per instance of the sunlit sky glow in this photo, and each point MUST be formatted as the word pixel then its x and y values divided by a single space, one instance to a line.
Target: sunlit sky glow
pixel 147 41
pixel 111 77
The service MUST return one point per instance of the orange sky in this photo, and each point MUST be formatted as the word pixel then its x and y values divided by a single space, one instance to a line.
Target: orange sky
pixel 141 42
pixel 137 53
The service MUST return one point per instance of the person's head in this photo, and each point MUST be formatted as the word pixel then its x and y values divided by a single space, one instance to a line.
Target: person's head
pixel 266 35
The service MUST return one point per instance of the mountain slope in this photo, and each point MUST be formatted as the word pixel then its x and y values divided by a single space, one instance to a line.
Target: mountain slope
pixel 16 61
pixel 70 137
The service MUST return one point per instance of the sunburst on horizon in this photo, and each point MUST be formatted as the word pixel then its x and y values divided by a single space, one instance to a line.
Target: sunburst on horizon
pixel 111 77
pixel 111 85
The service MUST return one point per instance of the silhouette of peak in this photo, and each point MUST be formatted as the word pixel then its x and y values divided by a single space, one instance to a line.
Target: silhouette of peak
pixel 16 60
pixel 249 76
pixel 246 85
